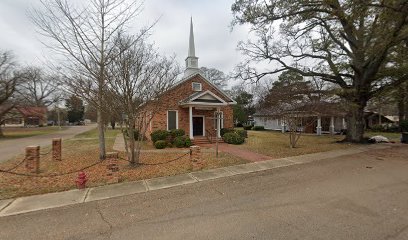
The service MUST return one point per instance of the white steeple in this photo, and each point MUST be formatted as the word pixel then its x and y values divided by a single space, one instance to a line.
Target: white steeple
pixel 191 60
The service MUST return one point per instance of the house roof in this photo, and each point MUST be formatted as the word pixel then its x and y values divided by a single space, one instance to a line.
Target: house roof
pixel 320 108
pixel 32 111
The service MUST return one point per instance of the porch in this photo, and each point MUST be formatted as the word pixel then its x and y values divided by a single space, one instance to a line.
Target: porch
pixel 205 115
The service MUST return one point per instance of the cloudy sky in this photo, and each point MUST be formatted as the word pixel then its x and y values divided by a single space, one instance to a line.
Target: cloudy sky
pixel 214 40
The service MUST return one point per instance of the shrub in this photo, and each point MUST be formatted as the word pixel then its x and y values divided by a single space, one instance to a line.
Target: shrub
pixel 240 125
pixel 159 135
pixel 258 128
pixel 404 125
pixel 242 133
pixel 160 144
pixel 233 138
pixel 377 128
pixel 180 141
pixel 188 142
pixel 177 133
pixel 223 131
pixel 247 127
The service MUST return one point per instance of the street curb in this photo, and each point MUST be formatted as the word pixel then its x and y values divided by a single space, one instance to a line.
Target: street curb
pixel 10 207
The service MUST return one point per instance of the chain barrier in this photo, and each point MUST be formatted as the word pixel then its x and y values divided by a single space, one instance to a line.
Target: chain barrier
pixel 42 154
pixel 51 175
pixel 154 164
pixel 12 168
pixel 10 171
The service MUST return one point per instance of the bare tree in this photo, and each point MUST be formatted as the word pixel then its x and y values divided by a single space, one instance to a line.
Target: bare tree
pixel 9 81
pixel 39 89
pixel 137 77
pixel 85 34
pixel 216 76
pixel 349 43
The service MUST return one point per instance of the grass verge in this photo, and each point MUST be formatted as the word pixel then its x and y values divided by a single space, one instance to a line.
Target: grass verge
pixel 276 144
pixel 82 151
pixel 21 132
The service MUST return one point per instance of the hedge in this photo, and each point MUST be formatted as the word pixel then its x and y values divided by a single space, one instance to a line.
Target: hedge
pixel 258 128
pixel 177 133
pixel 223 131
pixel 159 135
pixel 160 144
pixel 233 138
pixel 247 127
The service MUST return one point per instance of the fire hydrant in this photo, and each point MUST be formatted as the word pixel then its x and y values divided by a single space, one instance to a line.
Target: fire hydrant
pixel 81 180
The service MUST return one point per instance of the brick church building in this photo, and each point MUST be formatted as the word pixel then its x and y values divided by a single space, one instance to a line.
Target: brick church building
pixel 193 103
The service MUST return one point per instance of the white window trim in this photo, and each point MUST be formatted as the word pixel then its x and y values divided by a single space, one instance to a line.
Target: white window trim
pixel 167 119
pixel 203 116
pixel 201 86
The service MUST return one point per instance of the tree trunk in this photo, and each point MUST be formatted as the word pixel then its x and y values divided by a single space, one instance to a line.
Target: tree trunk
pixel 101 134
pixel 355 122
pixel 402 102
pixel 1 132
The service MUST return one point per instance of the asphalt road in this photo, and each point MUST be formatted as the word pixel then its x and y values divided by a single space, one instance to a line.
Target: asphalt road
pixel 362 196
pixel 12 147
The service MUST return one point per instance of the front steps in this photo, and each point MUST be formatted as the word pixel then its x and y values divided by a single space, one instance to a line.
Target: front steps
pixel 204 140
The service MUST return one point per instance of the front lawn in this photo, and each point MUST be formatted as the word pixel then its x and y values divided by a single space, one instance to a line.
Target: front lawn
pixel 82 151
pixel 22 132
pixel 276 144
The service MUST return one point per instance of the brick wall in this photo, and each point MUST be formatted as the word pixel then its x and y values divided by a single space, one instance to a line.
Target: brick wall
pixel 170 101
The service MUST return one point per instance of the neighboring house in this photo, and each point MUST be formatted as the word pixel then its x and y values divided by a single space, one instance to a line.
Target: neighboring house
pixel 374 118
pixel 192 103
pixel 25 116
pixel 325 118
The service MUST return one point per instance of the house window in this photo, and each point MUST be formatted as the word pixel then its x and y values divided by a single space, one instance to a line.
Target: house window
pixel 172 119
pixel 196 87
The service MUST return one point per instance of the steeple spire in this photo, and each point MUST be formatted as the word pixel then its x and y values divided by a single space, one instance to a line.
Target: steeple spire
pixel 191 47
pixel 191 60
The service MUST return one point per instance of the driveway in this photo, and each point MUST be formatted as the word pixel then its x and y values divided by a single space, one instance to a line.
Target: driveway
pixel 359 196
pixel 13 147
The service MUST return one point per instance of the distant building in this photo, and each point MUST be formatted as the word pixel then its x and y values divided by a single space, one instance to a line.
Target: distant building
pixel 26 116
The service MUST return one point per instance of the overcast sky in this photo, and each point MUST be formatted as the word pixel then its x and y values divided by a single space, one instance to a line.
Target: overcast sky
pixel 215 42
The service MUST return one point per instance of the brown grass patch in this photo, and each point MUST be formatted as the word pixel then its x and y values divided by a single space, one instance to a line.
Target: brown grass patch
pixel 79 153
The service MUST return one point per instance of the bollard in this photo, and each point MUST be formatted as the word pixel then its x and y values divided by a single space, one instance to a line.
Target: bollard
pixel 56 149
pixel 32 159
pixel 195 157
pixel 112 167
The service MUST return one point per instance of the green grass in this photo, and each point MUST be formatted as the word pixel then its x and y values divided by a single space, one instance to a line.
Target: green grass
pixel 109 133
pixel 276 144
pixel 21 132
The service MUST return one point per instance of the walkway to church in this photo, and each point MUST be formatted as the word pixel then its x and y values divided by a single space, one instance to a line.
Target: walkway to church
pixel 239 152
pixel 119 145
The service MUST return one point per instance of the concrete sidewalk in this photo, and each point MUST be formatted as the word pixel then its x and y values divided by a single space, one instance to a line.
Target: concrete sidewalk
pixel 52 200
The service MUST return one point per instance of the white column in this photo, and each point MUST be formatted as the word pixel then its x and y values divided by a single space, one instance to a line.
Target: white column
pixel 283 126
pixel 344 123
pixel 319 126
pixel 190 116
pixel 218 122
pixel 332 125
